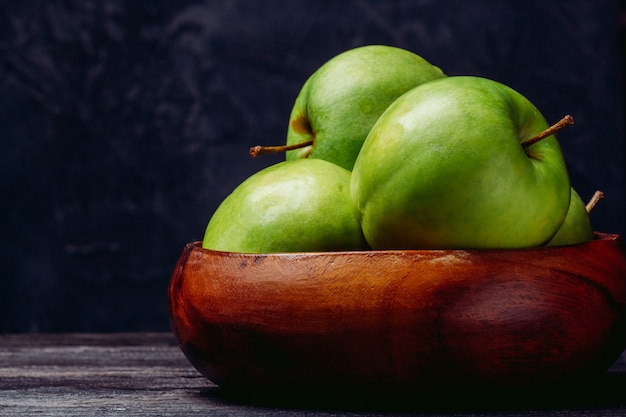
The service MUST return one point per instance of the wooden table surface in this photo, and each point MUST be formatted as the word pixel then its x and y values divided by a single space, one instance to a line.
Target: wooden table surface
pixel 145 374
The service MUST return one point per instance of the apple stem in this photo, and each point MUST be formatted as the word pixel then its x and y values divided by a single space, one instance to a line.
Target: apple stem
pixel 262 150
pixel 597 196
pixel 564 122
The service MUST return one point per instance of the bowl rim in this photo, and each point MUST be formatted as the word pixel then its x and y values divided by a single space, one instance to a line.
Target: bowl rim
pixel 599 238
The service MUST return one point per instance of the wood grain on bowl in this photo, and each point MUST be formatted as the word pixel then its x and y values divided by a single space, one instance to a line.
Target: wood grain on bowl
pixel 401 319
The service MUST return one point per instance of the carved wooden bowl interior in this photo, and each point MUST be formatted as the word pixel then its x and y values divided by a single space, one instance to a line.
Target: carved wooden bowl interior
pixel 402 319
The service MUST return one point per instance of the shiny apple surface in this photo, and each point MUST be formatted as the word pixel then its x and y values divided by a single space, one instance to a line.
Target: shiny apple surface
pixel 401 319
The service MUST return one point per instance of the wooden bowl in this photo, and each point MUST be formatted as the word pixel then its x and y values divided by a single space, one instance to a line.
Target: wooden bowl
pixel 401 319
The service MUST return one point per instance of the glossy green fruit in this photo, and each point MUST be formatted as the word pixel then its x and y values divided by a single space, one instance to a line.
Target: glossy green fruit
pixel 444 167
pixel 576 227
pixel 293 206
pixel 338 105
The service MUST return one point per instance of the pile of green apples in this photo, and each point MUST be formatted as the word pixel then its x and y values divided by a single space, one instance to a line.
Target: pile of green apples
pixel 384 151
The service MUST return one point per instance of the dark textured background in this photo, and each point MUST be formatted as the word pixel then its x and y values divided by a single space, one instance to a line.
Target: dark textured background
pixel 125 123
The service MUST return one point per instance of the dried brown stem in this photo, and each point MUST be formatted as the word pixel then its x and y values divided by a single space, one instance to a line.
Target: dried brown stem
pixel 564 122
pixel 597 196
pixel 262 150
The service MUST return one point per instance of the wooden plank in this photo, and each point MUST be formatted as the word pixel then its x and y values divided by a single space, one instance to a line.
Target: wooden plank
pixel 147 375
pixel 86 339
pixel 87 374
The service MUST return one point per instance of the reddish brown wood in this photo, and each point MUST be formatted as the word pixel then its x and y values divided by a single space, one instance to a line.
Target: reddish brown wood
pixel 401 319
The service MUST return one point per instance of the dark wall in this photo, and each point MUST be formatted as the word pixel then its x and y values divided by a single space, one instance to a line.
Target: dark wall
pixel 125 123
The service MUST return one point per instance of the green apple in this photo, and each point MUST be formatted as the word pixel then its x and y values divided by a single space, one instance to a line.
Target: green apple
pixel 576 227
pixel 445 167
pixel 292 206
pixel 338 105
